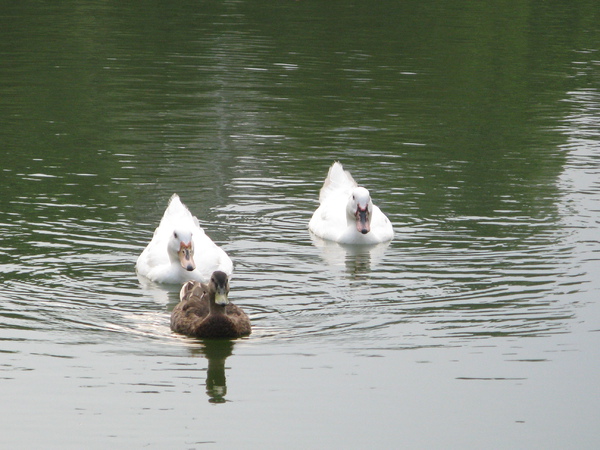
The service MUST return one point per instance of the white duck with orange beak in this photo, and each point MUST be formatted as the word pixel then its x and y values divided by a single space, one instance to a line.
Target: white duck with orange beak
pixel 180 250
pixel 346 213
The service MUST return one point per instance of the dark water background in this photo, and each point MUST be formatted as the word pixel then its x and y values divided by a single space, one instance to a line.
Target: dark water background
pixel 476 126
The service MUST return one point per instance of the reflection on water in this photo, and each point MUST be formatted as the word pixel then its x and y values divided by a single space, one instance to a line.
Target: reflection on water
pixel 216 352
pixel 356 260
pixel 477 127
pixel 160 293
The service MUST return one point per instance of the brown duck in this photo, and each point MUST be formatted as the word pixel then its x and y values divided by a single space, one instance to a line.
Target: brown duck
pixel 205 312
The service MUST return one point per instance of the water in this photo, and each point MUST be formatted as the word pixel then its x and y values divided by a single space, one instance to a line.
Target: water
pixel 476 130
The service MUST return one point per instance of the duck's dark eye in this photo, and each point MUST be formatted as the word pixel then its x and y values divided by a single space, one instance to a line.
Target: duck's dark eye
pixel 175 234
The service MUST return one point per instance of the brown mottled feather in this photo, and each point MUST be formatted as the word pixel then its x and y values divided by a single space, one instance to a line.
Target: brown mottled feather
pixel 198 315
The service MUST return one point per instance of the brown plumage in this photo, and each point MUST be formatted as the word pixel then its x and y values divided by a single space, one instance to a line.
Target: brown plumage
pixel 205 312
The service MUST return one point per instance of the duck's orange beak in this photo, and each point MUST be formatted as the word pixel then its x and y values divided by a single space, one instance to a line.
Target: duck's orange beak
pixel 186 256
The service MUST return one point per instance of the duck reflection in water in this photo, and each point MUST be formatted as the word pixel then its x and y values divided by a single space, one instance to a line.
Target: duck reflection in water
pixel 355 260
pixel 216 352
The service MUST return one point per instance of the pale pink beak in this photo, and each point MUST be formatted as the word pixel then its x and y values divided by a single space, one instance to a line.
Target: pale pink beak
pixel 186 256
pixel 363 221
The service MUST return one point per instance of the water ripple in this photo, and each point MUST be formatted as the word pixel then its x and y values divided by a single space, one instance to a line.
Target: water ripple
pixel 443 277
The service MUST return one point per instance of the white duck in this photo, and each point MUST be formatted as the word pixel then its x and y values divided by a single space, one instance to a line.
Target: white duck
pixel 180 250
pixel 346 214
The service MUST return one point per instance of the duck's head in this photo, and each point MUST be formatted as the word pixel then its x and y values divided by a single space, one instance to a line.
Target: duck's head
pixel 181 247
pixel 360 208
pixel 219 284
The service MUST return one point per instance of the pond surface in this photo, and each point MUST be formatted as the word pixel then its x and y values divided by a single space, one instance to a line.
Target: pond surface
pixel 477 130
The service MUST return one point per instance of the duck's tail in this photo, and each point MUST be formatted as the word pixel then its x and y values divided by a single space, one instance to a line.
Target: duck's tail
pixel 337 180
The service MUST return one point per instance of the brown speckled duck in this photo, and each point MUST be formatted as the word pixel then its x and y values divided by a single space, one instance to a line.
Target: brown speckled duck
pixel 205 312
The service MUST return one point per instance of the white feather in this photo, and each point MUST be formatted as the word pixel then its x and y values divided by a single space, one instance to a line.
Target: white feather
pixel 158 261
pixel 335 218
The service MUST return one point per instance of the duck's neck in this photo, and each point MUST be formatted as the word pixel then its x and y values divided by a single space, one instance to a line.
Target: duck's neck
pixel 215 309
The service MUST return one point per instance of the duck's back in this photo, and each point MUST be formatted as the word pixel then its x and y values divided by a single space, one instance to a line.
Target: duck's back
pixel 329 220
pixel 239 318
pixel 339 182
pixel 193 318
pixel 177 215
pixel 187 313
pixel 209 256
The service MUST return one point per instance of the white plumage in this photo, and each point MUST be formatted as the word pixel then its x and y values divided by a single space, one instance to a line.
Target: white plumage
pixel 180 250
pixel 346 213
